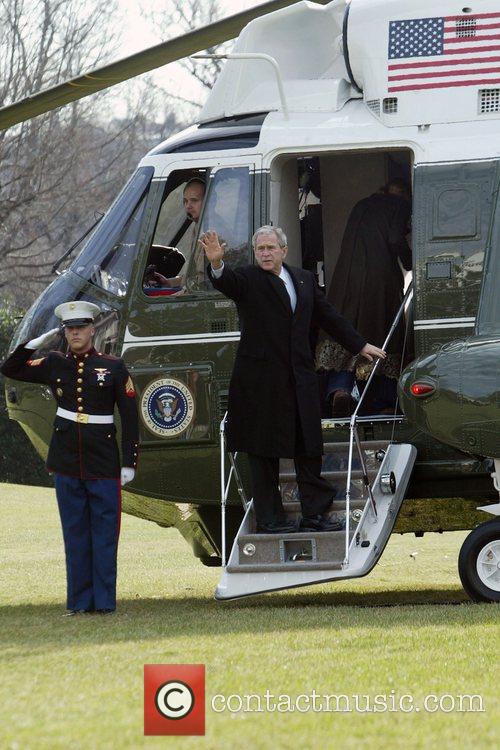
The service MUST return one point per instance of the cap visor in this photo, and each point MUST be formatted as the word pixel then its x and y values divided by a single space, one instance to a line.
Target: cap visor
pixel 78 322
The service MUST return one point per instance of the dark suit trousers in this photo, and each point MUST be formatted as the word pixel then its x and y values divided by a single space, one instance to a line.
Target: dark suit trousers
pixel 90 512
pixel 315 493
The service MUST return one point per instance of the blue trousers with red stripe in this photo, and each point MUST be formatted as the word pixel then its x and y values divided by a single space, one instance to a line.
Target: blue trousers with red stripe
pixel 90 511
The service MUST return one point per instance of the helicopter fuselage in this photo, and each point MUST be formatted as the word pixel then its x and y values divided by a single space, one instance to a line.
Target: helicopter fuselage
pixel 180 347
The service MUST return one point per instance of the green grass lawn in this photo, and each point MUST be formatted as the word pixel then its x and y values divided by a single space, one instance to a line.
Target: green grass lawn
pixel 78 682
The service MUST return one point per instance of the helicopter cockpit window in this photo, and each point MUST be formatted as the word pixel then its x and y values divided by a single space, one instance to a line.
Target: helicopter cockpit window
pixel 193 204
pixel 176 233
pixel 227 212
pixel 107 258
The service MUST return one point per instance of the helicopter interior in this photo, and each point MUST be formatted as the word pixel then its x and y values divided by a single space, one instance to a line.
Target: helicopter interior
pixel 313 196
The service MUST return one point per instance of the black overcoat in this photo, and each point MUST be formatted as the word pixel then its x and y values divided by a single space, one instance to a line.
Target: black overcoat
pixel 274 383
pixel 367 284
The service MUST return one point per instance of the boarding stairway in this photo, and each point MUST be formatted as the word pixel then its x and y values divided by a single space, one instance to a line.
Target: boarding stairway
pixel 371 477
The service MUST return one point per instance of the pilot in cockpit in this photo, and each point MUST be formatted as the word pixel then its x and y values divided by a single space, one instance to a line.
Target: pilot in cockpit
pixel 163 273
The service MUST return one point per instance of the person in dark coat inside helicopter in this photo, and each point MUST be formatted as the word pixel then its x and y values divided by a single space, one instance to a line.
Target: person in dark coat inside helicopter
pixel 274 406
pixel 367 289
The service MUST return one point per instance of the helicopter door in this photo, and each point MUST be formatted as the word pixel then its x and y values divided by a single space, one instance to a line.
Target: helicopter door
pixel 181 335
pixel 451 219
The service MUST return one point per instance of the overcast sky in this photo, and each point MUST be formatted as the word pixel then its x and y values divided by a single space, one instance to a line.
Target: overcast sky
pixel 139 33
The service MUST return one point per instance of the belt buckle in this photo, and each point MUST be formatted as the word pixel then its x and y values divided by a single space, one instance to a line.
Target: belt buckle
pixel 82 418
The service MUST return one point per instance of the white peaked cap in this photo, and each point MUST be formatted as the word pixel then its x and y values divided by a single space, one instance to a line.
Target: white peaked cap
pixel 77 313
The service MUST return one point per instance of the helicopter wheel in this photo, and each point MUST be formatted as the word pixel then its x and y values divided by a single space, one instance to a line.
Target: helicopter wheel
pixel 479 563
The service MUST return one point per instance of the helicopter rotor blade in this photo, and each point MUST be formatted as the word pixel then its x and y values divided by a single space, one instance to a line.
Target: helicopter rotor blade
pixel 134 65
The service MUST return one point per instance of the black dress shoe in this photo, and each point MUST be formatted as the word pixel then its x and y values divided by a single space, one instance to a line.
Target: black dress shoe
pixel 320 523
pixel 276 527
pixel 73 612
pixel 105 611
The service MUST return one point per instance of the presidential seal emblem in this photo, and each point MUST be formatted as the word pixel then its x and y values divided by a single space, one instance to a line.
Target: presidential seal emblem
pixel 167 407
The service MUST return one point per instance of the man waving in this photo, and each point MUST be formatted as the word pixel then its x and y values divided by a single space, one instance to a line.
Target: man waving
pixel 274 404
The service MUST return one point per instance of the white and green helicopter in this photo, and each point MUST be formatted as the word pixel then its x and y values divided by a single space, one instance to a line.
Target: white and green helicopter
pixel 353 94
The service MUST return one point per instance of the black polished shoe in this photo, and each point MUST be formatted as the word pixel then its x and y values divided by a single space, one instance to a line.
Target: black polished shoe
pixel 73 612
pixel 105 611
pixel 276 527
pixel 320 523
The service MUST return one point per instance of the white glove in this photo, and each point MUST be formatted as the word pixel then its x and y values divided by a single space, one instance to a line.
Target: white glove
pixel 44 340
pixel 127 475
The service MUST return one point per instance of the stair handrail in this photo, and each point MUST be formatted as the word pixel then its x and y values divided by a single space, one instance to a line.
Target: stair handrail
pixel 225 486
pixel 354 437
pixel 223 495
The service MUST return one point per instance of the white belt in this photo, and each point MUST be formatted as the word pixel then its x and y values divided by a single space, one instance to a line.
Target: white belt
pixel 85 418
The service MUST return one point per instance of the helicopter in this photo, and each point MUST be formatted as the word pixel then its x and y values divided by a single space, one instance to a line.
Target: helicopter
pixel 344 95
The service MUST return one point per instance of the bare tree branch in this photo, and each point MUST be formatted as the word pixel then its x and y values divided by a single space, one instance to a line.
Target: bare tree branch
pixel 188 15
pixel 57 170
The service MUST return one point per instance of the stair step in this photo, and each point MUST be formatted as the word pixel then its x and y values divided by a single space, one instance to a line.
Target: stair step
pixel 289 476
pixel 365 444
pixel 278 549
pixel 338 506
pixel 314 557
pixel 299 536
pixel 286 567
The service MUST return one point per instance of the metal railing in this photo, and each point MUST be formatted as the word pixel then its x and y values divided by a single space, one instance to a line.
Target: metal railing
pixel 226 485
pixel 354 438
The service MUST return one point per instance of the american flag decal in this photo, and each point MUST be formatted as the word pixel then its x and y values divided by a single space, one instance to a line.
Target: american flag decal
pixel 444 52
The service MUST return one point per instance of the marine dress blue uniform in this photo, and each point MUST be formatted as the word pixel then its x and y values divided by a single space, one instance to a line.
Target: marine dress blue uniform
pixel 84 457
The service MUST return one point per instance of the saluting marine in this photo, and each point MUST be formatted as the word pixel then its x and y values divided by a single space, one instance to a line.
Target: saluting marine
pixel 83 453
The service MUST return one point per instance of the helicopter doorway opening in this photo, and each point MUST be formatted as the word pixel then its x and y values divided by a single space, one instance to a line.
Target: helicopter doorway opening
pixel 348 219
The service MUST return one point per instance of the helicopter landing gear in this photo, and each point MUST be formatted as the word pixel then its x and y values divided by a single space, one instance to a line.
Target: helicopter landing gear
pixel 479 562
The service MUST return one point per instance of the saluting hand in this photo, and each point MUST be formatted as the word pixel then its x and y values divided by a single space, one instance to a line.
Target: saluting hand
pixel 370 352
pixel 213 249
pixel 44 340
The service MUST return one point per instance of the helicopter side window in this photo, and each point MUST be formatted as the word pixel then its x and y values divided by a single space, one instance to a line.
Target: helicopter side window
pixel 227 211
pixel 176 232
pixel 176 264
pixel 108 256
